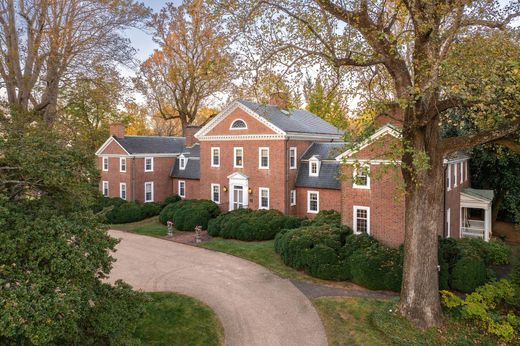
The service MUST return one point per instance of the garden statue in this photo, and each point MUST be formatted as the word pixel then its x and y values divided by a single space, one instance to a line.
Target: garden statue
pixel 170 228
pixel 198 233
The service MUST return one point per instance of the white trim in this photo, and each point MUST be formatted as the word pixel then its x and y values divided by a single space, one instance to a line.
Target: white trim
pixel 455 175
pixel 107 142
pixel 295 149
pixel 292 198
pixel 212 156
pixel 235 157
pixel 103 158
pixel 103 188
pixel 212 193
pixel 466 163
pixel 448 175
pixel 260 190
pixel 183 183
pixel 255 137
pixel 140 156
pixel 448 222
pixel 373 162
pixel 313 160
pixel 309 202
pixel 386 129
pixel 354 176
pixel 238 176
pixel 355 218
pixel 462 172
pixel 260 158
pixel 151 190
pixel 311 136
pixel 121 160
pixel 121 185
pixel 183 161
pixel 151 164
pixel 238 128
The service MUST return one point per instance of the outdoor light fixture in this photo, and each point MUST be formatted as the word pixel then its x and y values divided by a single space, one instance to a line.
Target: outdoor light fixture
pixel 225 188
pixel 250 190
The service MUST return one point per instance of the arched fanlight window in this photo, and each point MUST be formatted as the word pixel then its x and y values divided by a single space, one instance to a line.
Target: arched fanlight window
pixel 239 124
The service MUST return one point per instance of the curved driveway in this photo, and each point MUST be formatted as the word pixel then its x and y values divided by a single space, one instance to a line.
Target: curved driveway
pixel 255 306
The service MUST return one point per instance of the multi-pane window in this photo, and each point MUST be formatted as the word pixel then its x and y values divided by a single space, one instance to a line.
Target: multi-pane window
pixel 238 161
pixel 148 192
pixel 448 178
pixel 105 163
pixel 215 157
pixel 148 164
pixel 263 154
pixel 313 204
pixel 239 124
pixel 293 197
pixel 215 193
pixel 314 168
pixel 264 198
pixel 182 162
pixel 122 164
pixel 105 188
pixel 361 178
pixel 455 170
pixel 292 157
pixel 182 188
pixel 122 190
pixel 361 220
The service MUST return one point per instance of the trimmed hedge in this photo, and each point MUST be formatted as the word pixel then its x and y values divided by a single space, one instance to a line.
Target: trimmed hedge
pixel 247 224
pixel 330 217
pixel 122 211
pixel 187 214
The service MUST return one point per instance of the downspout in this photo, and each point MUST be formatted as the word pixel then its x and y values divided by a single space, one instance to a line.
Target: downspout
pixel 133 179
pixel 286 185
pixel 444 230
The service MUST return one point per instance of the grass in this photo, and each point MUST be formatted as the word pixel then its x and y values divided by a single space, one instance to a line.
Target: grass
pixel 175 319
pixel 151 227
pixel 364 321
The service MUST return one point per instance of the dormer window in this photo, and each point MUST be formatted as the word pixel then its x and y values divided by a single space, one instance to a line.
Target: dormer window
pixel 182 162
pixel 238 124
pixel 314 167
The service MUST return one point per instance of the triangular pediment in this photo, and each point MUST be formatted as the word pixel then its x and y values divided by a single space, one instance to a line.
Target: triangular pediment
pixel 238 176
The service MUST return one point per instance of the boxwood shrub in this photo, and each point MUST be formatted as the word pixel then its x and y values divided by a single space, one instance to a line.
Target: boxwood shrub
pixel 247 224
pixel 187 214
pixel 169 200
pixel 125 212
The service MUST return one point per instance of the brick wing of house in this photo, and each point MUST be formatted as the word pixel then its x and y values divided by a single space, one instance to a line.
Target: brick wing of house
pixel 268 157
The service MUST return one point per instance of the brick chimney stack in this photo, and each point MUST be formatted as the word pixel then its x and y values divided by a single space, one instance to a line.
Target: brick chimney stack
pixel 189 133
pixel 117 130
pixel 279 99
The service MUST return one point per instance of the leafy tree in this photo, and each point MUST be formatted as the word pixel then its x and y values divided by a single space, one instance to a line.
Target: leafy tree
pixel 54 251
pixel 326 102
pixel 191 65
pixel 415 47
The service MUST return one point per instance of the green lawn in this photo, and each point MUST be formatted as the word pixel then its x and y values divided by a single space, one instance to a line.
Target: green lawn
pixel 175 319
pixel 150 226
pixel 364 321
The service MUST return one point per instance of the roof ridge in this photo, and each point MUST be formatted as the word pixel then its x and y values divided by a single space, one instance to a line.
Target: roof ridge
pixel 178 137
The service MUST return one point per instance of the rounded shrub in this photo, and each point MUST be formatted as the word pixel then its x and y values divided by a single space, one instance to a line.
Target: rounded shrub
pixel 188 214
pixel 167 213
pixel 125 213
pixel 468 274
pixel 170 199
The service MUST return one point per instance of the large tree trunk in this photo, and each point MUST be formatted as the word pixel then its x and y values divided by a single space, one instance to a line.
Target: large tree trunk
pixel 420 302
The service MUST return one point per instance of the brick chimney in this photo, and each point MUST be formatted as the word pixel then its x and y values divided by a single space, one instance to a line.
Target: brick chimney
pixel 279 99
pixel 189 133
pixel 117 130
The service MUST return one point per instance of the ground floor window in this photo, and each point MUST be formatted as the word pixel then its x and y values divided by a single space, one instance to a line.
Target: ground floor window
pixel 148 192
pixel 313 201
pixel 215 193
pixel 122 191
pixel 182 188
pixel 264 198
pixel 361 222
pixel 105 188
pixel 293 197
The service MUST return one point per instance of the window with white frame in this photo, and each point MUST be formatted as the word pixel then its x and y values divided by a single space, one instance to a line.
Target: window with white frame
pixel 215 193
pixel 122 190
pixel 105 189
pixel 238 124
pixel 293 197
pixel 263 196
pixel 215 157
pixel 182 188
pixel 462 172
pixel 455 170
pixel 361 222
pixel 466 169
pixel 314 167
pixel 292 157
pixel 148 191
pixel 361 177
pixel 122 164
pixel 182 162
pixel 148 164
pixel 448 178
pixel 313 202
pixel 448 221
pixel 105 163
pixel 238 161
pixel 263 157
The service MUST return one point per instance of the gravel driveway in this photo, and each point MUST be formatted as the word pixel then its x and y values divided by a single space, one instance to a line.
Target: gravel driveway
pixel 255 306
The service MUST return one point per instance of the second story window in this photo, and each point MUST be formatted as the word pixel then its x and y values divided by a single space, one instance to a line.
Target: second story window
pixel 182 162
pixel 105 163
pixel 238 161
pixel 314 167
pixel 361 177
pixel 215 157
pixel 263 155
pixel 455 169
pixel 462 172
pixel 148 164
pixel 448 178
pixel 122 164
pixel 292 157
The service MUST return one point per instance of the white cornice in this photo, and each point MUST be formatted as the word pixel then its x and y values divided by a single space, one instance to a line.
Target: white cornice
pixel 384 130
pixel 107 142
pixel 242 137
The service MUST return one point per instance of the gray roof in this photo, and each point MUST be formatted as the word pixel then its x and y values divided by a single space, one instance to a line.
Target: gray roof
pixel 193 151
pixel 456 156
pixel 487 195
pixel 293 120
pixel 327 179
pixel 325 151
pixel 152 144
pixel 191 171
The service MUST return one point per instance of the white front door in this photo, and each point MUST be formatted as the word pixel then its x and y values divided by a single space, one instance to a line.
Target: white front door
pixel 238 187
pixel 238 197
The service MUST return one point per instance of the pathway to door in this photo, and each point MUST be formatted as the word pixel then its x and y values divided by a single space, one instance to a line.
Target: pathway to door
pixel 255 306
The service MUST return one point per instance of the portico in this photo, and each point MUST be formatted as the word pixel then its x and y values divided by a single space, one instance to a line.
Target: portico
pixel 475 213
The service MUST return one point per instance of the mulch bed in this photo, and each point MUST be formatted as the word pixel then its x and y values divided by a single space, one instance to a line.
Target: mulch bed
pixel 187 237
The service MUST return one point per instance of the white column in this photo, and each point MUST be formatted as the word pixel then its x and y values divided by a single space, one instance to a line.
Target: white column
pixel 487 223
